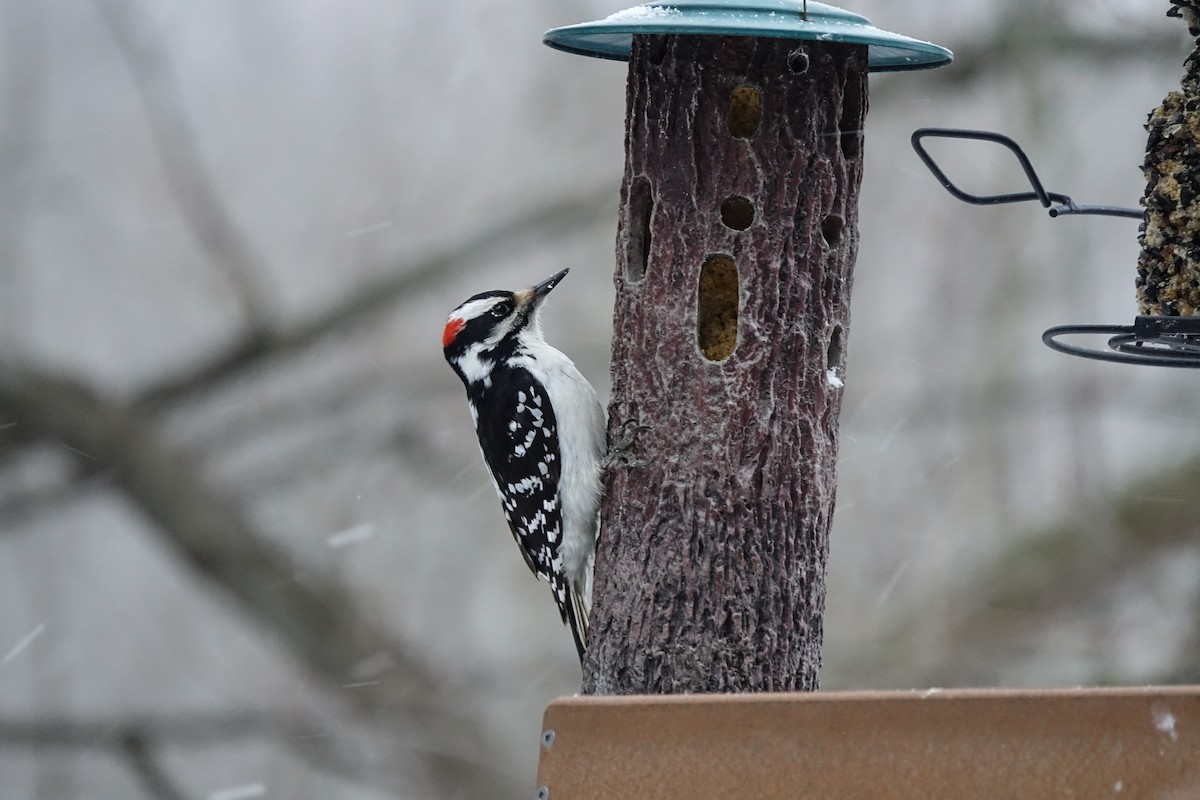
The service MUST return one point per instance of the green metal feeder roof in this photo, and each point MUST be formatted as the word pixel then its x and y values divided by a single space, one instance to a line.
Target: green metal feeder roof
pixel 612 37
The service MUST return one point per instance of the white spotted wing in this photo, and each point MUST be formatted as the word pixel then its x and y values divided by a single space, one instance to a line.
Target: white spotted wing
pixel 520 429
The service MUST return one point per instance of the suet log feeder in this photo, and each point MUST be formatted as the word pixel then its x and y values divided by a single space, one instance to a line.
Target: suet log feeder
pixel 735 248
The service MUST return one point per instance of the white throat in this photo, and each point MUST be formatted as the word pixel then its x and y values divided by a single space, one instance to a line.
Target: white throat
pixel 475 367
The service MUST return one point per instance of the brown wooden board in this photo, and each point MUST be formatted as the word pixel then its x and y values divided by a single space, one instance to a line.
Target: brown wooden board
pixel 948 745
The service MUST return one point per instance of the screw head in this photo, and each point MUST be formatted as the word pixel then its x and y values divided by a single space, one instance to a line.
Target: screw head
pixel 543 793
pixel 547 737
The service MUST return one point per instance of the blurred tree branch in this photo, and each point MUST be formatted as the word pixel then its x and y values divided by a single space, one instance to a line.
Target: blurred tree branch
pixel 233 253
pixel 229 250
pixel 312 741
pixel 17 505
pixel 557 218
pixel 320 621
pixel 257 348
pixel 144 763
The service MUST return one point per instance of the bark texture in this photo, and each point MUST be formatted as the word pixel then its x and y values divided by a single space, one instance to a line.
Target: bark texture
pixel 738 228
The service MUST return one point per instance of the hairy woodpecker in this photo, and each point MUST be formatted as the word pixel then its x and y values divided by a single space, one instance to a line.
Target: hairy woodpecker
pixel 541 432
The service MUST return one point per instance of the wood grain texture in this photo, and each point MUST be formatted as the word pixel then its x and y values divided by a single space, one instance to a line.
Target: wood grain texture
pixel 995 744
pixel 710 572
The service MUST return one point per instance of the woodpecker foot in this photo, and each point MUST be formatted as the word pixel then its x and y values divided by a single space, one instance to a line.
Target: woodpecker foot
pixel 621 451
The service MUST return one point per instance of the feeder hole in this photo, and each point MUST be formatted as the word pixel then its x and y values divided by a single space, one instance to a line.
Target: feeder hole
pixel 850 124
pixel 641 210
pixel 745 111
pixel 797 62
pixel 717 308
pixel 831 229
pixel 737 213
pixel 833 354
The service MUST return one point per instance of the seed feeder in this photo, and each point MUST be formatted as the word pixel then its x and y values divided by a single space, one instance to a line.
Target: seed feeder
pixel 1167 281
pixel 735 248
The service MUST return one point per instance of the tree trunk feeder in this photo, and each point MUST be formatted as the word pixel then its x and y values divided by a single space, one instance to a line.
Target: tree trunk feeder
pixel 735 249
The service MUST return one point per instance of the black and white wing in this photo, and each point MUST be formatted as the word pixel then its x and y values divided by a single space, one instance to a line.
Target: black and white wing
pixel 520 446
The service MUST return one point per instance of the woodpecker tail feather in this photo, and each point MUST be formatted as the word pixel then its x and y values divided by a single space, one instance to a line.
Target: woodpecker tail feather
pixel 578 609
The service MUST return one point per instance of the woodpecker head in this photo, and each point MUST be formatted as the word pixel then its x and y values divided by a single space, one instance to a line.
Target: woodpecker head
pixel 491 326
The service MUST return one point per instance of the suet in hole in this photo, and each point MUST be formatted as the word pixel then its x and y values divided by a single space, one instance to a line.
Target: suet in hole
pixel 717 308
pixel 641 210
pixel 831 229
pixel 850 124
pixel 797 62
pixel 745 111
pixel 737 213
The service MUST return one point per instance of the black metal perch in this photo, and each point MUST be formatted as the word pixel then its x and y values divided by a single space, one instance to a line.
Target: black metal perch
pixel 1160 341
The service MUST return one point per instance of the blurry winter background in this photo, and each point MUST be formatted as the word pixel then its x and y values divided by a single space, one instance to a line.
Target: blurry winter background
pixel 247 547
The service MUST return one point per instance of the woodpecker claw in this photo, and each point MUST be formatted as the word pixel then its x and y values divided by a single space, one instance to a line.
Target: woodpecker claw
pixel 621 450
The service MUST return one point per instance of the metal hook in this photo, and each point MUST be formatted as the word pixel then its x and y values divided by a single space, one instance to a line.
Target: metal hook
pixel 1059 205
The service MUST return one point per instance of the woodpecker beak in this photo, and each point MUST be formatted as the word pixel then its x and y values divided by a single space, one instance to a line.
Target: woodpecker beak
pixel 531 298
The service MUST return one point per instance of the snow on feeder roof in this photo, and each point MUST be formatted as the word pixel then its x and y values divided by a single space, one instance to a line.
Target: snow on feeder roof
pixel 612 37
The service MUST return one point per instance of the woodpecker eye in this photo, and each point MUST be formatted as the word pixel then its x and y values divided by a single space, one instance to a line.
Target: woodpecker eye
pixel 499 311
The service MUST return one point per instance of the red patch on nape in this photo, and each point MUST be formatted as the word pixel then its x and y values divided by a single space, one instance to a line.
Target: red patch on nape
pixel 453 326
